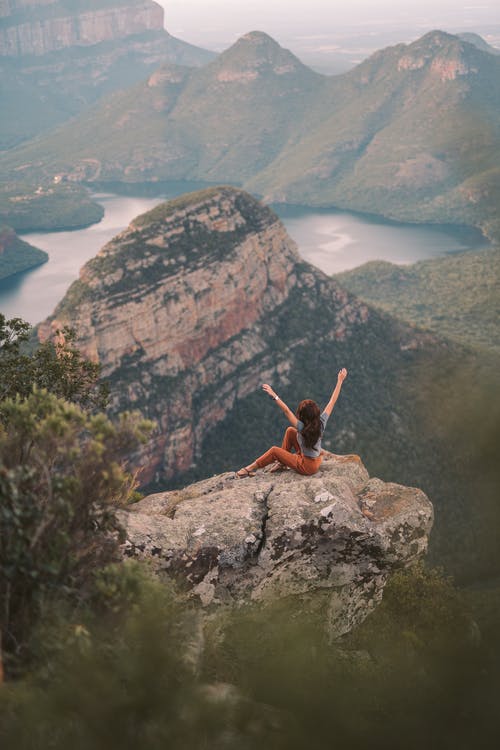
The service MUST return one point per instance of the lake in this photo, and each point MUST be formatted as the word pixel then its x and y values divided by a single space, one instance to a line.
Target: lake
pixel 330 239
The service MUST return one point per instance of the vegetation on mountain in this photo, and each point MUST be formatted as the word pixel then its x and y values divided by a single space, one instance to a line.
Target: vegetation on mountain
pixel 64 77
pixel 411 133
pixel 457 296
pixel 17 255
pixel 251 209
pixel 50 206
pixel 55 365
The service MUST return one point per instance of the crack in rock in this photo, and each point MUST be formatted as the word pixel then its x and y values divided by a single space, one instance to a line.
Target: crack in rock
pixel 297 536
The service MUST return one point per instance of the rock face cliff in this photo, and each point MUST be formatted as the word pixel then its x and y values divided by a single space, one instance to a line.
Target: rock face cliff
pixel 36 27
pixel 59 56
pixel 204 298
pixel 283 535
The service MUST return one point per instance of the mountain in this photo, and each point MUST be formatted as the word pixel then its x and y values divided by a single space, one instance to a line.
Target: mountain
pixel 204 298
pixel 412 133
pixel 17 255
pixel 192 301
pixel 229 118
pixel 478 42
pixel 457 296
pixel 57 57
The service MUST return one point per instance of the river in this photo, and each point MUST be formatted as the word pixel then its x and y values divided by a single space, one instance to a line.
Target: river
pixel 332 240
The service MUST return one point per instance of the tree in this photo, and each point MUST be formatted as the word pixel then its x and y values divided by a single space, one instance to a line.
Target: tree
pixel 56 365
pixel 63 474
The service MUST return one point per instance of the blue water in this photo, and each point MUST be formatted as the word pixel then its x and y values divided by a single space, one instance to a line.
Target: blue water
pixel 332 240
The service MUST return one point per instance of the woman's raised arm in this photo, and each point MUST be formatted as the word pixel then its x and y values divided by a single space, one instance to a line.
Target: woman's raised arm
pixel 340 379
pixel 284 408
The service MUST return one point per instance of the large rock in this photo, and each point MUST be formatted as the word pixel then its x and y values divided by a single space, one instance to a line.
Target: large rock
pixel 203 299
pixel 337 534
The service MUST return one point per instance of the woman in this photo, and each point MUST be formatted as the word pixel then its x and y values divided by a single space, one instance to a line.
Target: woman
pixel 303 437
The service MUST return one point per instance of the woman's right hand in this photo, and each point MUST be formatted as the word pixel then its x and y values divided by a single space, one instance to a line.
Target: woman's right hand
pixel 267 388
pixel 342 375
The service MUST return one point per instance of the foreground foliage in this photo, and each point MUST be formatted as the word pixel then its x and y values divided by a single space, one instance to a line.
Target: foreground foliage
pixel 56 365
pixel 139 668
pixel 62 475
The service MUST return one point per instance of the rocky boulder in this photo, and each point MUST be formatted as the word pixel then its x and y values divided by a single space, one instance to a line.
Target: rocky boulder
pixel 336 535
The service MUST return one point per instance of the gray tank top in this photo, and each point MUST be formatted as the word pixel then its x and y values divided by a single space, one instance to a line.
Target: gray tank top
pixel 315 451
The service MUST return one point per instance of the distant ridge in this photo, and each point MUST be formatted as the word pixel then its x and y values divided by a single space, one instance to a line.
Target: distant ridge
pixel 412 133
pixel 478 42
pixel 59 56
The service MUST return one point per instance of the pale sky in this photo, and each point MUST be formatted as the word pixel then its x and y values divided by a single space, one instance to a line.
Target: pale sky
pixel 257 14
pixel 326 32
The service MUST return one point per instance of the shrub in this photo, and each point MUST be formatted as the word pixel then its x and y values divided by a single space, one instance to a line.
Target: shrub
pixel 56 365
pixel 63 473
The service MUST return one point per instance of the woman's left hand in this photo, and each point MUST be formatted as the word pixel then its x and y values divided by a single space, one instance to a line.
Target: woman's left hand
pixel 267 388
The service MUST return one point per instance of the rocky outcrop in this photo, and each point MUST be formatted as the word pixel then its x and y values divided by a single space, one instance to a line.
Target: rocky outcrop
pixel 183 310
pixel 203 299
pixel 57 58
pixel 331 539
pixel 38 27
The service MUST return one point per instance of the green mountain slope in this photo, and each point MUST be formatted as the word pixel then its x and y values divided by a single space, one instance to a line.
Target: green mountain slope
pixel 412 133
pixel 17 255
pixel 457 296
pixel 229 118
pixel 478 42
pixel 59 58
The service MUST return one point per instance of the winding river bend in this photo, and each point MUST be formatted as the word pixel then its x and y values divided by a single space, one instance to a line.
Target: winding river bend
pixel 330 239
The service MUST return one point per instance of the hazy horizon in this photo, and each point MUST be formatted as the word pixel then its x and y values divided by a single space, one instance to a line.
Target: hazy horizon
pixel 199 17
pixel 329 36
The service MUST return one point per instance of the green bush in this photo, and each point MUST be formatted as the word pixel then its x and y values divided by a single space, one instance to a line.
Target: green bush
pixel 139 669
pixel 56 365
pixel 62 475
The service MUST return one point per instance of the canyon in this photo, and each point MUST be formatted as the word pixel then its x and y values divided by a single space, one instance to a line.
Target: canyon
pixel 204 298
pixel 40 26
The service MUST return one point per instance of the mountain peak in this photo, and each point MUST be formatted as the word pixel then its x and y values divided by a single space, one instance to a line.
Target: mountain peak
pixel 445 55
pixel 434 39
pixel 253 55
pixel 259 37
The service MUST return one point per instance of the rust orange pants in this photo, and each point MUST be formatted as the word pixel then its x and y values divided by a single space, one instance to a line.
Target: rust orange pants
pixel 296 461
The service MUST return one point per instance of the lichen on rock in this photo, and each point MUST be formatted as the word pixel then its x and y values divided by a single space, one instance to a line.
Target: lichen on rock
pixel 336 535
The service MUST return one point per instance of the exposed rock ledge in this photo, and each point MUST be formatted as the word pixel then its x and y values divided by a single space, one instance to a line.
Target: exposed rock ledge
pixel 337 534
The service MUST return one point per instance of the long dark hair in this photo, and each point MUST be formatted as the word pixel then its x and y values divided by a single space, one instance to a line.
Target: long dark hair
pixel 308 412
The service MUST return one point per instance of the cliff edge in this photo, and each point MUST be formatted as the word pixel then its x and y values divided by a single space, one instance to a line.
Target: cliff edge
pixel 331 539
pixel 204 298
